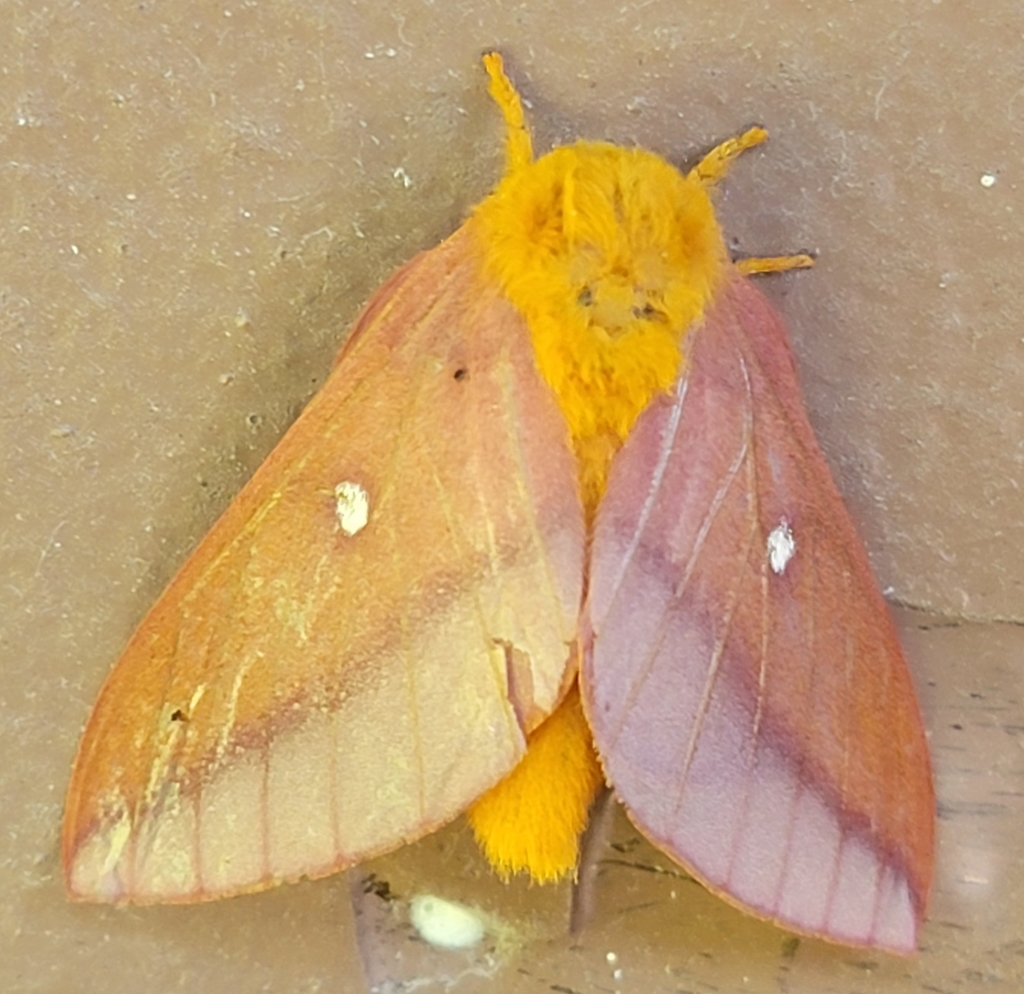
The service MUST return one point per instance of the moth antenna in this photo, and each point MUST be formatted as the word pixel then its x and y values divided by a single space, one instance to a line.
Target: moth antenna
pixel 716 163
pixel 518 143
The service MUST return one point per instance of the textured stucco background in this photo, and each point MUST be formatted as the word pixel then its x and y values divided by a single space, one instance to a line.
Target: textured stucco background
pixel 195 201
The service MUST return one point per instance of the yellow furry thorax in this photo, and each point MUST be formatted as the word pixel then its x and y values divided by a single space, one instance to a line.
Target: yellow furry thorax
pixel 611 254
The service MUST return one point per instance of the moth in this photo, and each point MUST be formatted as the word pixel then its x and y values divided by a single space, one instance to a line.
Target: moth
pixel 557 518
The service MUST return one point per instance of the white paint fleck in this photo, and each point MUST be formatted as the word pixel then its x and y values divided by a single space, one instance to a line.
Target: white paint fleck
pixel 988 180
pixel 401 174
pixel 781 546
pixel 445 924
pixel 352 504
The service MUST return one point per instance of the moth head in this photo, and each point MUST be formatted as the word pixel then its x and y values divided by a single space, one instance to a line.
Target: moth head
pixel 617 238
pixel 611 255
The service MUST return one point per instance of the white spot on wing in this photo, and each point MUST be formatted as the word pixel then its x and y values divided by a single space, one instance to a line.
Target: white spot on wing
pixel 352 505
pixel 781 546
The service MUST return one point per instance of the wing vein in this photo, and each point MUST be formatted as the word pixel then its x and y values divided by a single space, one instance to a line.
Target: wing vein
pixel 755 496
pixel 714 508
pixel 408 667
pixel 653 491
pixel 459 537
pixel 714 664
pixel 513 422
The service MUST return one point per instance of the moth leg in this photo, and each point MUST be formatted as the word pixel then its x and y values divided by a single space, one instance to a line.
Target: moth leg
pixel 713 167
pixel 773 263
pixel 518 144
pixel 716 163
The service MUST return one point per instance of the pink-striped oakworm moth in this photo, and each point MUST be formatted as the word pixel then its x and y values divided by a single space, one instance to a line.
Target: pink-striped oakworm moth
pixel 557 518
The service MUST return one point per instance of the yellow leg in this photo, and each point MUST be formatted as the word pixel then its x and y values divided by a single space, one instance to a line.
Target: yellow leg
pixel 716 163
pixel 773 264
pixel 713 167
pixel 518 144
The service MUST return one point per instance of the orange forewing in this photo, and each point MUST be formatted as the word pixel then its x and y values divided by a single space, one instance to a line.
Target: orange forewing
pixel 300 698
pixel 743 679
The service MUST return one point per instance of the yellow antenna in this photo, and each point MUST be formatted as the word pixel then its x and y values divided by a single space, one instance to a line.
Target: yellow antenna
pixel 518 144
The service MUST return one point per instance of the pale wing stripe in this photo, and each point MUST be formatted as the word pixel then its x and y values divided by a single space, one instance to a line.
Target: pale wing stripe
pixel 458 535
pixel 715 507
pixel 410 663
pixel 710 516
pixel 713 666
pixel 668 443
pixel 512 422
pixel 644 670
pixel 711 674
pixel 530 505
pixel 762 666
pixel 762 679
pixel 762 669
